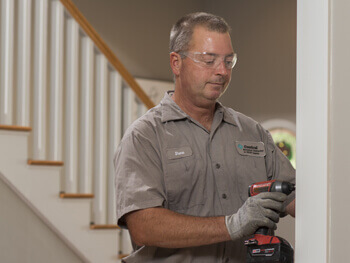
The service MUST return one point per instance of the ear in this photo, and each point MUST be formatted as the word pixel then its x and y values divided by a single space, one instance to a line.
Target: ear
pixel 175 63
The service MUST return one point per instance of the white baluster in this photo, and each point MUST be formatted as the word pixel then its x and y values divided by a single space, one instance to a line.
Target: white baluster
pixel 56 82
pixel 129 107
pixel 134 106
pixel 85 142
pixel 71 108
pixel 144 109
pixel 141 108
pixel 126 246
pixel 40 81
pixel 23 62
pixel 126 107
pixel 6 75
pixel 115 134
pixel 100 147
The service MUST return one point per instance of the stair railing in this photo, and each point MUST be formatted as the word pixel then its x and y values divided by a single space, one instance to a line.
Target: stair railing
pixel 61 81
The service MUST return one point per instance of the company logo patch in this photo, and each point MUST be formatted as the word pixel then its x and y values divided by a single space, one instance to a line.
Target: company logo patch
pixel 248 148
pixel 177 153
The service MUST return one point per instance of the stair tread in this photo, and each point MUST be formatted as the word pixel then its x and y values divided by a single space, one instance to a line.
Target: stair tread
pixel 106 226
pixel 121 256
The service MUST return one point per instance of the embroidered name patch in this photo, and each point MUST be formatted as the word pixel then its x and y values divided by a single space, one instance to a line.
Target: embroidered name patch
pixel 256 149
pixel 177 153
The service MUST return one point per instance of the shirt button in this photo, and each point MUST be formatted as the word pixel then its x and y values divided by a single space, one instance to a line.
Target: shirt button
pixel 217 166
pixel 224 196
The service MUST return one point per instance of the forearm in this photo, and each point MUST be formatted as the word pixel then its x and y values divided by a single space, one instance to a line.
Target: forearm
pixel 164 228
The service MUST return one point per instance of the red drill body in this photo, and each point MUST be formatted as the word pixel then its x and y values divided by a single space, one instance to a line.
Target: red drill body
pixel 271 186
pixel 263 247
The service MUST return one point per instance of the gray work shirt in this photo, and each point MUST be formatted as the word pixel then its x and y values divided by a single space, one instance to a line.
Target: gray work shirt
pixel 168 159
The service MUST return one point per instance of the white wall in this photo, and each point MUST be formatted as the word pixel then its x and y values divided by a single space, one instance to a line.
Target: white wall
pixel 263 82
pixel 138 31
pixel 25 238
pixel 339 130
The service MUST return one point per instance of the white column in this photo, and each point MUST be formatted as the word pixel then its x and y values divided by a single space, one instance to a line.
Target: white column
pixel 23 62
pixel 313 71
pixel 86 106
pixel 6 71
pixel 100 142
pixel 115 134
pixel 40 81
pixel 56 82
pixel 71 107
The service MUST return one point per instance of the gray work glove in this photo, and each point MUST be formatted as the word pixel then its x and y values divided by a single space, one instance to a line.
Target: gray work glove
pixel 261 210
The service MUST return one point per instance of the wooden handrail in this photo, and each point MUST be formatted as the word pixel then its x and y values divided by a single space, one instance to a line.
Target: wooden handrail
pixel 15 128
pixel 111 57
pixel 45 162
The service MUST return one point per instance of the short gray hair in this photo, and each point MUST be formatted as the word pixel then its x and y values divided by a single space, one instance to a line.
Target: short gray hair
pixel 182 30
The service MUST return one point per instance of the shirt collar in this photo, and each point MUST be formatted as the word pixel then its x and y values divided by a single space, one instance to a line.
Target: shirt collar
pixel 171 111
pixel 230 116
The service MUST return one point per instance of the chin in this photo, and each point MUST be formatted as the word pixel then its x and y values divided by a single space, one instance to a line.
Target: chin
pixel 214 95
pixel 213 98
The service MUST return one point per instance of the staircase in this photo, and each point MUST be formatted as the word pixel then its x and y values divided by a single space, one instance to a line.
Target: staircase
pixel 65 101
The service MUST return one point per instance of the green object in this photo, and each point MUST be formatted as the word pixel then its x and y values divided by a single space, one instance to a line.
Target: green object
pixel 285 140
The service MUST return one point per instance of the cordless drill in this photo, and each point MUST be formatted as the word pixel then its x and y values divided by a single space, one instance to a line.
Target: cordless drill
pixel 263 247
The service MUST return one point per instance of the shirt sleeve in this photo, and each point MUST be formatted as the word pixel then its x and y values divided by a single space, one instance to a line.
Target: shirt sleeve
pixel 139 179
pixel 278 166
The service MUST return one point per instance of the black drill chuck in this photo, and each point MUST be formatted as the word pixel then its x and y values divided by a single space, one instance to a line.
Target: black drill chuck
pixel 283 187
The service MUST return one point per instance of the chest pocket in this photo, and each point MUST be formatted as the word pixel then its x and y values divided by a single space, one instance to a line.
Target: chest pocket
pixel 250 170
pixel 184 179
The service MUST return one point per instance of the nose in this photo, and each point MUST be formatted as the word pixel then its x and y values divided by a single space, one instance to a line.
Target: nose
pixel 221 69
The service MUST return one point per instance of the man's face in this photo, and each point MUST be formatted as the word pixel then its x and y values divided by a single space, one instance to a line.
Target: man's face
pixel 203 85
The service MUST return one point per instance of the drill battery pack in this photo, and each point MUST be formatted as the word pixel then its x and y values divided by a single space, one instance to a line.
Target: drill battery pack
pixel 269 249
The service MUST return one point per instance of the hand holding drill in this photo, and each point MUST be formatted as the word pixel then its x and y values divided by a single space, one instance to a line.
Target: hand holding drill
pixel 261 210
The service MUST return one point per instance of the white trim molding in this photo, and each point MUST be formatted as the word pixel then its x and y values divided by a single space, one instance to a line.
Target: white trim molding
pixel 313 69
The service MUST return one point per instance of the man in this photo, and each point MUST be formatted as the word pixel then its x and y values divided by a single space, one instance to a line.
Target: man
pixel 182 170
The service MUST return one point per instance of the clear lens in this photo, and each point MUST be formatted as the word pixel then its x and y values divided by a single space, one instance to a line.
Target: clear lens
pixel 211 60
